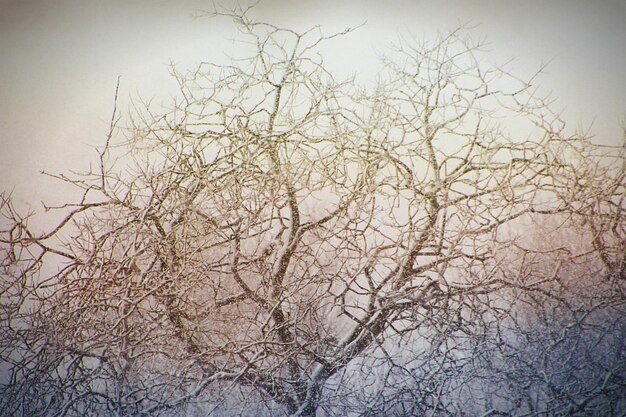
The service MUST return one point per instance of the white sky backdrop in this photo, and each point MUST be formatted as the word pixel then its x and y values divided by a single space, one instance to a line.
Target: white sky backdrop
pixel 60 59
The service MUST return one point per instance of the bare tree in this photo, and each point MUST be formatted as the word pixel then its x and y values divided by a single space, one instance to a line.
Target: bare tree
pixel 283 243
pixel 556 350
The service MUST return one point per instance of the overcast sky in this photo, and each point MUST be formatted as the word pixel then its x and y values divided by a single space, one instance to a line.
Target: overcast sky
pixel 60 59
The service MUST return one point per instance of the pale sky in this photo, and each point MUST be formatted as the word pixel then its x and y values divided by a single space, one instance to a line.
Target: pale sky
pixel 60 59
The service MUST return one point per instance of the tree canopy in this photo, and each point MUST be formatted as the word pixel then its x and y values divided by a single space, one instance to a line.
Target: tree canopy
pixel 281 242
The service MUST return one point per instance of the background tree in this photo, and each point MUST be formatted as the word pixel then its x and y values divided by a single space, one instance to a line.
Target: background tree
pixel 315 247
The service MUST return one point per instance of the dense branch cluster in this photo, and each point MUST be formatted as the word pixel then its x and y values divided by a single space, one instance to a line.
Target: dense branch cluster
pixel 282 243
